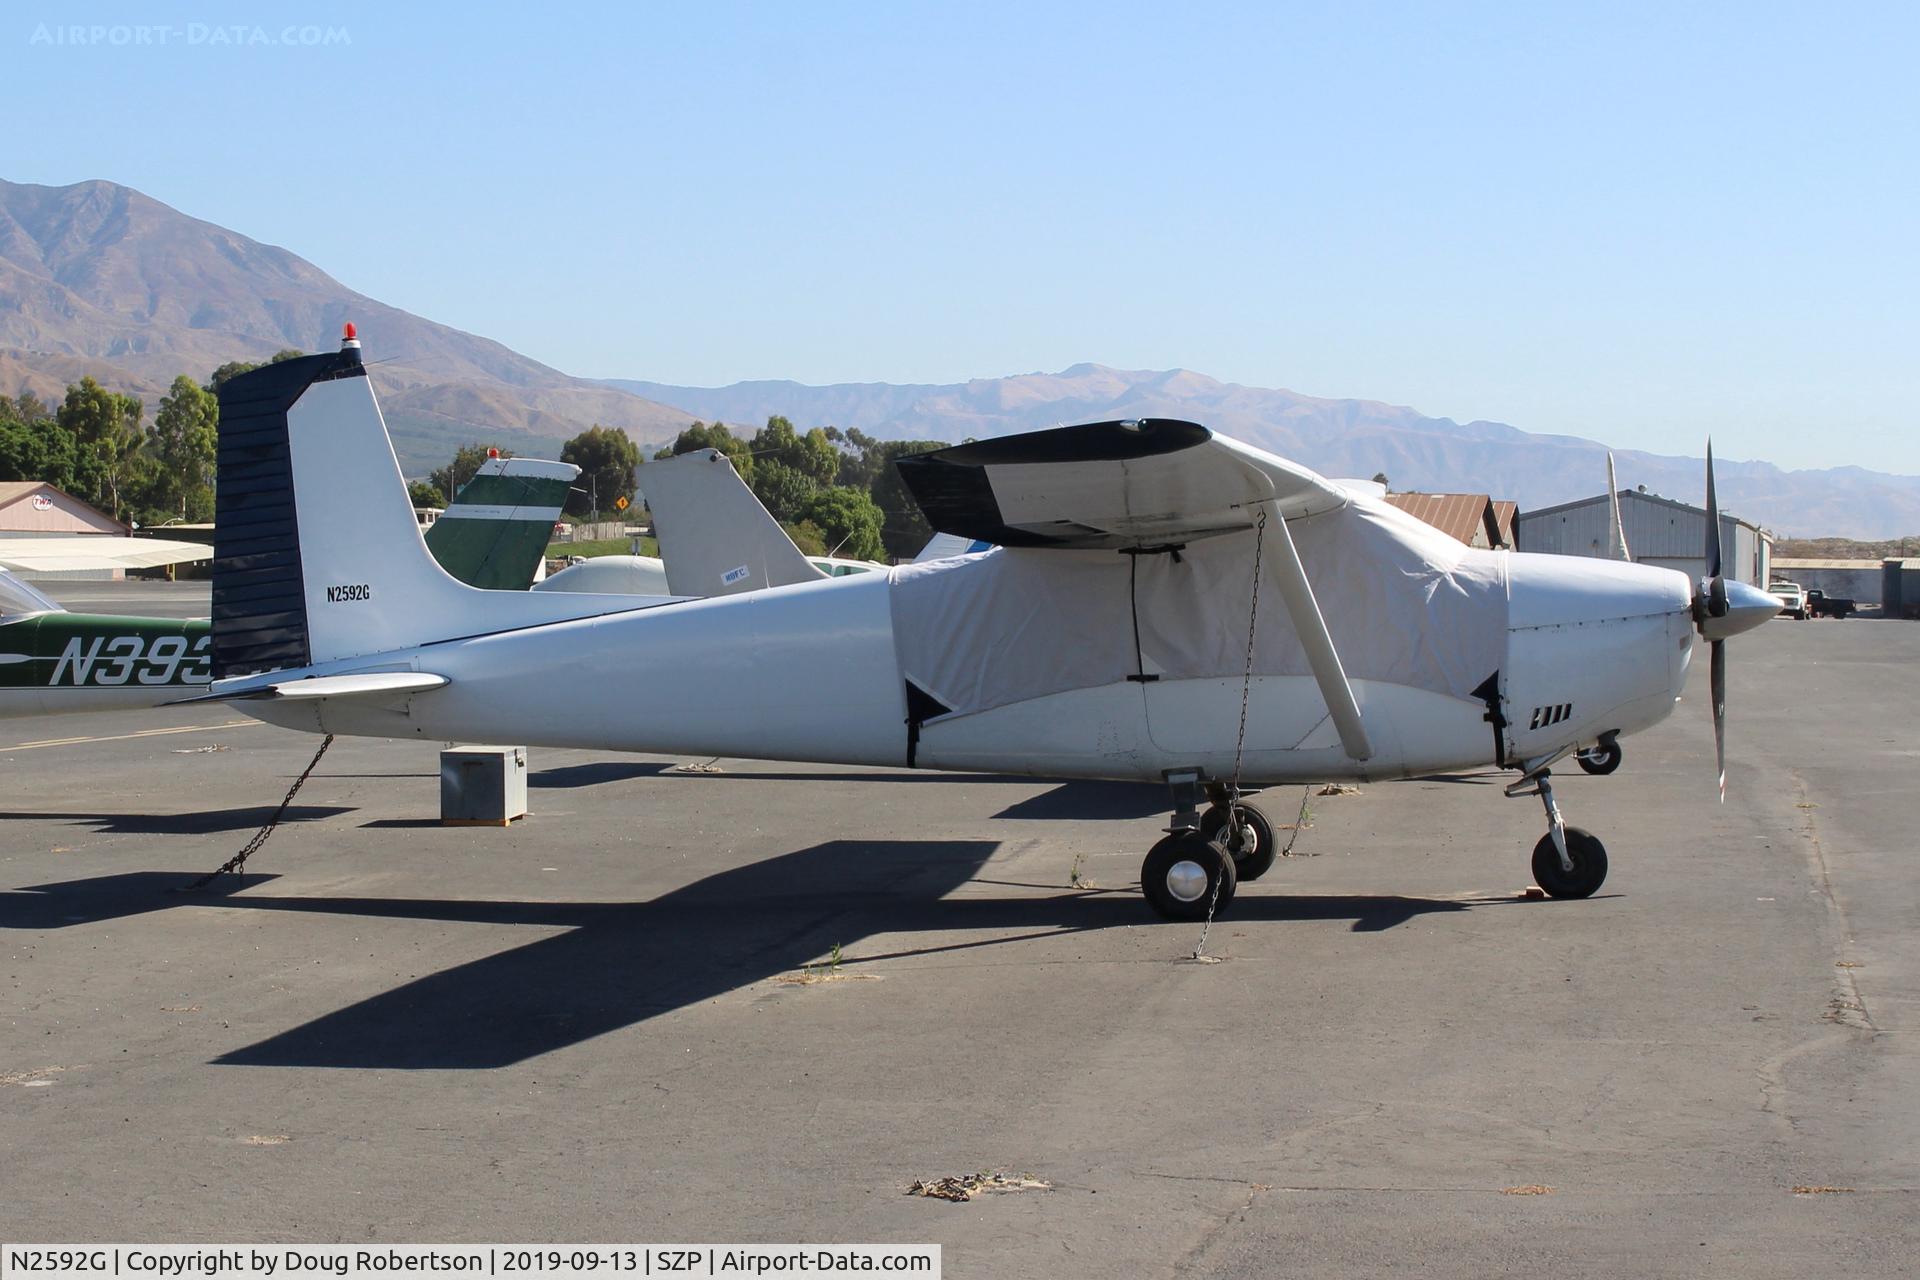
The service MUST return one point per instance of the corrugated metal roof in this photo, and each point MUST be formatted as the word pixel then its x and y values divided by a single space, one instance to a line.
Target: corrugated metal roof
pixel 1460 515
pixel 1780 563
pixel 1644 497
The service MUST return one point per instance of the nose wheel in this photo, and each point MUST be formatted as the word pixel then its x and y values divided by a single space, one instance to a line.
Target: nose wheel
pixel 1581 880
pixel 1567 862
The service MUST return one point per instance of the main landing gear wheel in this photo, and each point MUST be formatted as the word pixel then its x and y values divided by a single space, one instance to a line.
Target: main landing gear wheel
pixel 1589 865
pixel 1180 874
pixel 1600 760
pixel 1254 856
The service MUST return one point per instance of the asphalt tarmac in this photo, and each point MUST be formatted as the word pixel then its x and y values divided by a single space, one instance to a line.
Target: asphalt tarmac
pixel 621 1019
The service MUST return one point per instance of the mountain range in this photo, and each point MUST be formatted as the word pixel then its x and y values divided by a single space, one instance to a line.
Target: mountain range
pixel 1349 438
pixel 97 278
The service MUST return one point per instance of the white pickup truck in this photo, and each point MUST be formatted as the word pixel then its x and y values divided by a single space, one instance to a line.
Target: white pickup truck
pixel 1792 598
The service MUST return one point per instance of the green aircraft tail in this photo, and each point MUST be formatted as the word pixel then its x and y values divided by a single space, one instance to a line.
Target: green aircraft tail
pixel 495 534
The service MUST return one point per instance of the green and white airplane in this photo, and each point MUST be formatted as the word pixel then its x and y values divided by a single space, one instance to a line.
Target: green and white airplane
pixel 53 662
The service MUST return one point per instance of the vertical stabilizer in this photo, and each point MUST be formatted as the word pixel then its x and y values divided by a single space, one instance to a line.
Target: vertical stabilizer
pixel 317 554
pixel 714 535
pixel 495 532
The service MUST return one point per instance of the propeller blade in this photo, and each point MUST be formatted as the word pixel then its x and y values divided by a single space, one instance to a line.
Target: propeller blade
pixel 1718 673
pixel 1617 548
pixel 1713 520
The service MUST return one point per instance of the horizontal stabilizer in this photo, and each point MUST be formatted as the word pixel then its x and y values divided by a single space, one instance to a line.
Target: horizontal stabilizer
pixel 354 685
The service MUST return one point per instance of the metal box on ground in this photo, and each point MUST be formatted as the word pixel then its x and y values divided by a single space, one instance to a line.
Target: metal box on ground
pixel 482 786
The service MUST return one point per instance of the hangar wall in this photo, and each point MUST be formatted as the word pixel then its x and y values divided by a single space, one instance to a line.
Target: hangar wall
pixel 1659 531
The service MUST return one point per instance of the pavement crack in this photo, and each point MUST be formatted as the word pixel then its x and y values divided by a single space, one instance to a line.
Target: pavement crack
pixel 1773 1076
pixel 1192 1261
pixel 1848 1007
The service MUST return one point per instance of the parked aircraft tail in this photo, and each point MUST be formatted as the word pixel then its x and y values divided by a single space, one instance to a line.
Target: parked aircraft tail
pixel 318 556
pixel 495 532
pixel 714 535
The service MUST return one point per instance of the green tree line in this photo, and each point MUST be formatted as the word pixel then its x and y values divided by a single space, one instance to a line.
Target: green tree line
pixel 93 445
pixel 835 492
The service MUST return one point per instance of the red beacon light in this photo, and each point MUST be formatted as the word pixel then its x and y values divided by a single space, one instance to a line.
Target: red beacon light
pixel 349 336
pixel 493 453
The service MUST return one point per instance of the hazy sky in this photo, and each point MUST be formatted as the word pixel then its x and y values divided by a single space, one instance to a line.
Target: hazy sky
pixel 1637 223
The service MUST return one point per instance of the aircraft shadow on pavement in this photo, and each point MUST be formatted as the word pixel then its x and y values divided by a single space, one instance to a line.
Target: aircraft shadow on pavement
pixel 114 897
pixel 621 963
pixel 902 775
pixel 200 823
pixel 596 773
pixel 1073 801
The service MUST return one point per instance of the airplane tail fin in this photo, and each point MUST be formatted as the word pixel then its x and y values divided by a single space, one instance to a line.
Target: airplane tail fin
pixel 494 534
pixel 317 554
pixel 714 535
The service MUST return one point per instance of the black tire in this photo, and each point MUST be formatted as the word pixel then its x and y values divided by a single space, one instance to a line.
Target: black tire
pixel 1163 887
pixel 1600 761
pixel 1589 865
pixel 1255 859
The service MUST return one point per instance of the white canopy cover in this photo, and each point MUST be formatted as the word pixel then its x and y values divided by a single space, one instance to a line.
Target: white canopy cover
pixel 1403 602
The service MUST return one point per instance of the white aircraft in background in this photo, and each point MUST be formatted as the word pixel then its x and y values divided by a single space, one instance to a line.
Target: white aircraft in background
pixel 1164 603
pixel 716 539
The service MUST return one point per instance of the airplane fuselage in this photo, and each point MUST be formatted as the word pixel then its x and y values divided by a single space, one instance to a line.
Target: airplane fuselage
pixel 54 663
pixel 811 673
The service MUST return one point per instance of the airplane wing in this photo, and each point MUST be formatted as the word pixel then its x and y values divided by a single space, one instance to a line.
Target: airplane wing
pixel 99 551
pixel 1109 484
pixel 1136 484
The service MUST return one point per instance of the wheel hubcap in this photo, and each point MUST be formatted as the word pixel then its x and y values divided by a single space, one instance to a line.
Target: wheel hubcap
pixel 1187 880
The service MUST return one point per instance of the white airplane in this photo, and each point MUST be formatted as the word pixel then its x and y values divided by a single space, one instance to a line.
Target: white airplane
pixel 716 539
pixel 1164 603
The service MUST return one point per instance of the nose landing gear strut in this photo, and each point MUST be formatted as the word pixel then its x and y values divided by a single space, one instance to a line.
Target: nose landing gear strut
pixel 1567 862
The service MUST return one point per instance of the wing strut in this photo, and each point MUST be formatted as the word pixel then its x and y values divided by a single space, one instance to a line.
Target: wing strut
pixel 1321 655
